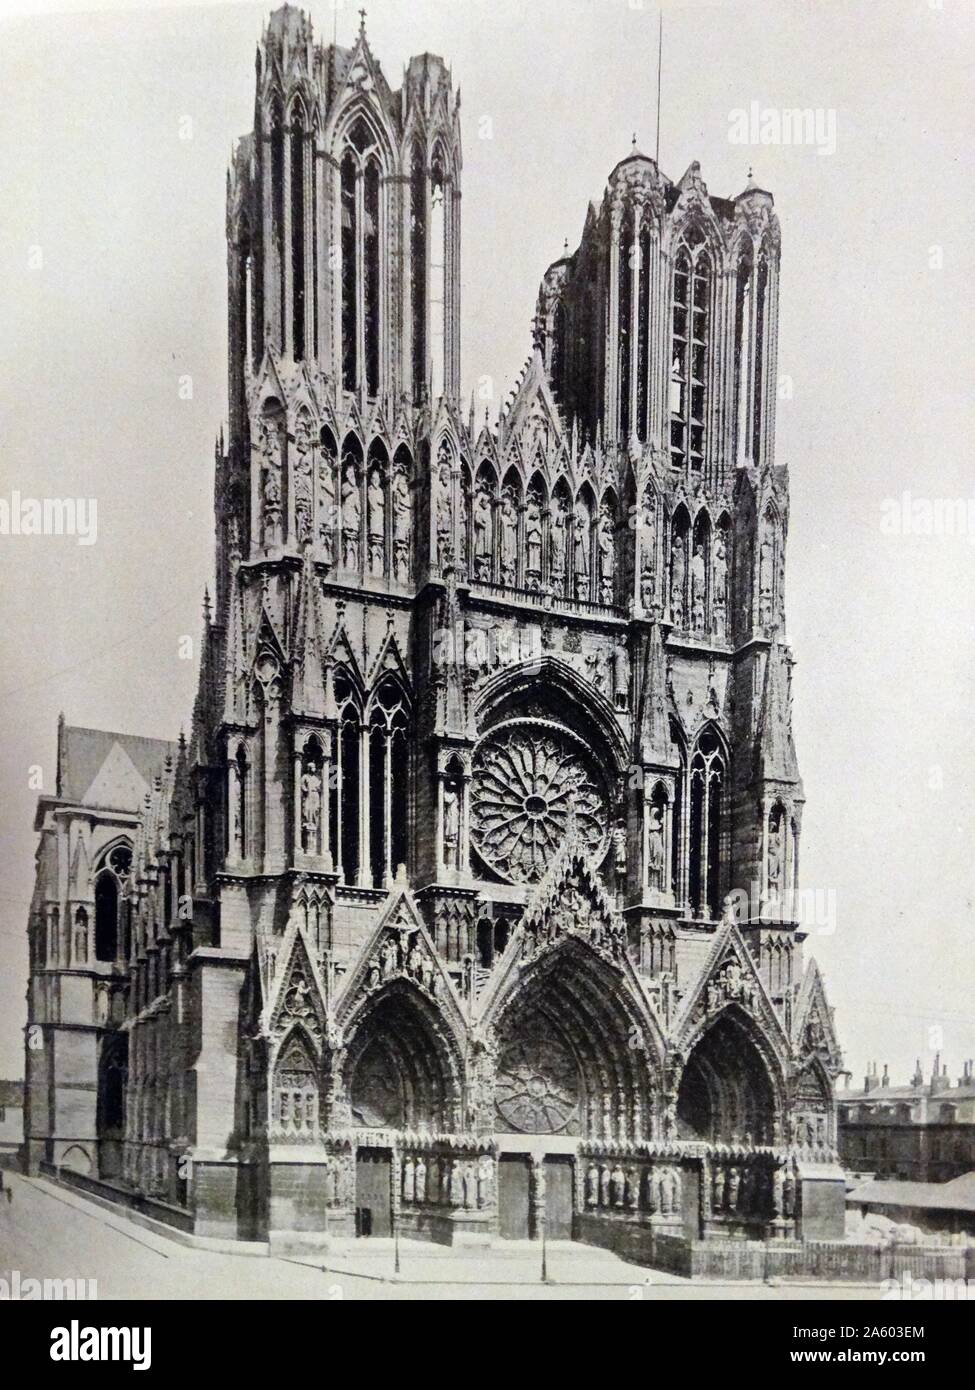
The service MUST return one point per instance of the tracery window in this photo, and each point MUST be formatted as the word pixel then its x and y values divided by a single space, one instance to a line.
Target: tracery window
pixel 296 1091
pixel 689 353
pixel 344 790
pixel 625 310
pixel 276 124
pixel 298 141
pixel 438 279
pixel 349 242
pixel 388 782
pixel 418 258
pixel 360 194
pixel 533 782
pixel 706 826
pixel 111 885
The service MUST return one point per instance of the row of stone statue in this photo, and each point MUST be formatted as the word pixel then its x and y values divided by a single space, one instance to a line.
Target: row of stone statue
pixel 578 561
pixel 633 1189
pixel 752 1189
pixel 364 519
pixel 402 953
pixel 453 1182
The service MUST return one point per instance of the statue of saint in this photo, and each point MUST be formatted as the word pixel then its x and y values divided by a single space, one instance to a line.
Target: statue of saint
pixel 302 476
pixel 442 510
pixel 483 542
pixel 311 806
pixel 655 848
pixel 451 826
pixel 351 516
pixel 557 542
pixel 509 538
pixel 580 553
pixel 621 674
pixel 376 500
pixel 607 553
pixel 766 579
pixel 678 573
pixel 401 526
pixel 699 585
pixel 326 505
pixel 533 540
pixel 719 586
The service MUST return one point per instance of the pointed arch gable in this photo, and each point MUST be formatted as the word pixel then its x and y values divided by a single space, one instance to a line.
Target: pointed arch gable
pixel 731 980
pixel 343 121
pixel 569 1031
pixel 401 1065
pixel 551 673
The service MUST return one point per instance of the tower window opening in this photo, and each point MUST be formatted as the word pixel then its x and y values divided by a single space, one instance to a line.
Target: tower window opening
pixel 418 262
pixel 350 316
pixel 689 358
pixel 438 282
pixel 371 273
pixel 298 239
pixel 277 212
pixel 626 254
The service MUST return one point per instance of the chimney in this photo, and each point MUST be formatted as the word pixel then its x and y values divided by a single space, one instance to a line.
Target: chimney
pixel 870 1080
pixel 918 1078
pixel 885 1079
pixel 940 1080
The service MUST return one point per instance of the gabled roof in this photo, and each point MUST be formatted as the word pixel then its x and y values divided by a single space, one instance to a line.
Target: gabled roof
pixel 99 768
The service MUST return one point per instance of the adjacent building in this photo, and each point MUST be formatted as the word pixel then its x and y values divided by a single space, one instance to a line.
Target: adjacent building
pixel 468 905
pixel 921 1132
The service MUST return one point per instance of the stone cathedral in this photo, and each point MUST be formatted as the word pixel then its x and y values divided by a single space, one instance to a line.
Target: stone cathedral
pixel 468 908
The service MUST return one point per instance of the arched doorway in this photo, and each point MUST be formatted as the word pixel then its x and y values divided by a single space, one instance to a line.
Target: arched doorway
pixel 726 1094
pixel 573 1061
pixel 402 1072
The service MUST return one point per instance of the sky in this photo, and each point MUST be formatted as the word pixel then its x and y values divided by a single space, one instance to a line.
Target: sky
pixel 115 131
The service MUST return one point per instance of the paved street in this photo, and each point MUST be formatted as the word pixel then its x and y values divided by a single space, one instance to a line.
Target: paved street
pixel 48 1232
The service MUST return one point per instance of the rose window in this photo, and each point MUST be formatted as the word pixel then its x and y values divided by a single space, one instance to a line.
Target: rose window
pixel 532 781
pixel 537 1088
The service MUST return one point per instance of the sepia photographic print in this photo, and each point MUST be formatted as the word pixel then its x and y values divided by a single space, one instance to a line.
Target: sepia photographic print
pixel 487 533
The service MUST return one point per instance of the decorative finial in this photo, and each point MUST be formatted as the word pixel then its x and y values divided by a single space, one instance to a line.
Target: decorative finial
pixel 633 141
pixel 565 244
pixel 362 21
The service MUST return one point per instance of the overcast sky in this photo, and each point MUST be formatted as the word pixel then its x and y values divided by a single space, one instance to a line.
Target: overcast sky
pixel 113 288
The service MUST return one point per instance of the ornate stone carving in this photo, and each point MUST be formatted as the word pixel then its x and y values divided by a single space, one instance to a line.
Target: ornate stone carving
pixel 537 1089
pixel 699 581
pixel 311 806
pixel 530 777
pixel 326 505
pixel 509 538
pixel 302 476
pixel 376 503
pixel 351 516
pixel 402 521
pixel 730 984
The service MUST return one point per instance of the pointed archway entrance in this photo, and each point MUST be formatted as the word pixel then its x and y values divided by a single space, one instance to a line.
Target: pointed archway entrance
pixel 572 1064
pixel 726 1095
pixel 402 1074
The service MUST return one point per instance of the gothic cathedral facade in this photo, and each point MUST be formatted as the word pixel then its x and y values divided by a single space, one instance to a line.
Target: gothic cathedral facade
pixel 469 905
